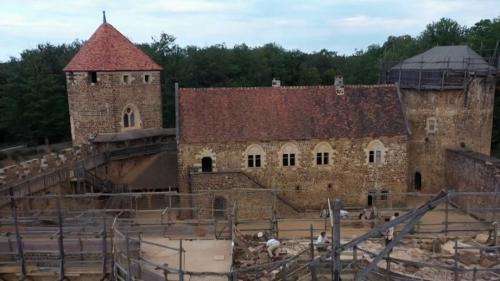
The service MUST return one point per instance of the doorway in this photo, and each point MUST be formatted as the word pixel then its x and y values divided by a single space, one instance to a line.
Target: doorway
pixel 417 181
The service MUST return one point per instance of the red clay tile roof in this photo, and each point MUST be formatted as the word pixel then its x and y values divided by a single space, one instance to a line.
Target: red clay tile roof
pixel 289 113
pixel 109 50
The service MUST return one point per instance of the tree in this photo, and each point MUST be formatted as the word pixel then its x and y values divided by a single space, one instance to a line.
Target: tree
pixel 444 32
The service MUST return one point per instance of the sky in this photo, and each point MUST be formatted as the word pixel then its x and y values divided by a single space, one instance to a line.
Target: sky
pixel 338 25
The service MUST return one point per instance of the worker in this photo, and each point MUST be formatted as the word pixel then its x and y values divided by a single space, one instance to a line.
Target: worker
pixel 389 232
pixel 272 245
pixel 322 241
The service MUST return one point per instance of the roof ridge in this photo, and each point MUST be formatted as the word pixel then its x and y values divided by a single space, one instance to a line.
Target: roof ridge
pixel 291 87
pixel 108 49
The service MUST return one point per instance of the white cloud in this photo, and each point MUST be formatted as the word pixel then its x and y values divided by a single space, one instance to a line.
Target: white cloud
pixel 310 25
pixel 365 22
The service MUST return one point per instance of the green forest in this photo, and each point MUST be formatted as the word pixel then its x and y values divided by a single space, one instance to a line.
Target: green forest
pixel 33 98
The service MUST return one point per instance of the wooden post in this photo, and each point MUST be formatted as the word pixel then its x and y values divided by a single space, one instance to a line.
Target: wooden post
pixel 474 274
pixel 354 259
pixel 446 216
pixel 127 253
pixel 80 244
pixel 455 259
pixel 104 249
pixel 60 240
pixel 312 268
pixel 19 240
pixel 311 241
pixel 325 222
pixel 139 272
pixel 495 233
pixel 113 249
pixel 181 273
pixel 336 240
pixel 388 267
pixel 11 248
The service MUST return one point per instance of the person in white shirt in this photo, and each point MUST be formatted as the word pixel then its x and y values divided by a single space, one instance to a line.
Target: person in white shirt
pixel 272 245
pixel 322 241
pixel 389 233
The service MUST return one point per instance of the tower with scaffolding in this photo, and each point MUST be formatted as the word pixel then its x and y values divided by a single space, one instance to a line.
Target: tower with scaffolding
pixel 448 94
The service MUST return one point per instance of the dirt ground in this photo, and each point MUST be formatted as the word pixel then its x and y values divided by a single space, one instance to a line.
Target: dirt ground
pixel 433 221
pixel 200 255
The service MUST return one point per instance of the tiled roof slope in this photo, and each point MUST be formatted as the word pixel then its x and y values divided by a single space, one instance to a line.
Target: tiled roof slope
pixel 289 113
pixel 108 50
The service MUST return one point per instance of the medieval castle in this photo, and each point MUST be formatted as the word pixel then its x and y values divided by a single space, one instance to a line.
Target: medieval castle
pixel 244 163
pixel 357 142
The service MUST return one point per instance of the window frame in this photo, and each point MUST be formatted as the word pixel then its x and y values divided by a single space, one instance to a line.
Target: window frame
pixel 126 79
pixel 285 160
pixel 93 77
pixel 322 158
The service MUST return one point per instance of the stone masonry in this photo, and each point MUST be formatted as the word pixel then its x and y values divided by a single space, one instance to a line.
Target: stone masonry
pixel 99 108
pixel 112 86
pixel 468 171
pixel 349 176
pixel 461 119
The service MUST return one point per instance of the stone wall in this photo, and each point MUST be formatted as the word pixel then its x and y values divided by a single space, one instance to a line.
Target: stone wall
pixel 448 119
pixel 252 199
pixel 98 108
pixel 468 171
pixel 36 166
pixel 348 176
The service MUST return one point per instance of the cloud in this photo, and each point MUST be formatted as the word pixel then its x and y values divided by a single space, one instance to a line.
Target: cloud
pixel 366 22
pixel 337 25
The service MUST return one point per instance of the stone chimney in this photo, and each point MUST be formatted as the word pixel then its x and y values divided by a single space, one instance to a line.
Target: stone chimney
pixel 276 82
pixel 339 85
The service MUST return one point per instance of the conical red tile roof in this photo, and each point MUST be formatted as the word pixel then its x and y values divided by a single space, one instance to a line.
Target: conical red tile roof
pixel 108 50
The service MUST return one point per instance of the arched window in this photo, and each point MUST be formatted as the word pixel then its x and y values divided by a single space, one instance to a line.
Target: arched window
pixel 254 156
pixel 375 152
pixel 289 155
pixel 220 205
pixel 322 154
pixel 417 181
pixel 206 165
pixel 129 117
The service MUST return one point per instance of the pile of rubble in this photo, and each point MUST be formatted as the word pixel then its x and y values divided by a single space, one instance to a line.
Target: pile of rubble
pixel 440 252
pixel 252 260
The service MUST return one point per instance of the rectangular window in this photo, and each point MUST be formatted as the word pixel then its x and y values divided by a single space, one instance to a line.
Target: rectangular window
pixel 125 79
pixel 371 156
pixel 431 125
pixel 285 159
pixel 319 159
pixel 378 156
pixel 292 159
pixel 93 77
pixel 326 157
pixel 250 161
pixel 384 195
pixel 146 78
pixel 257 160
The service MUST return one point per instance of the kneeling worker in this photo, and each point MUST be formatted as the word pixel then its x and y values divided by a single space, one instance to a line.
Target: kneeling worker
pixel 272 245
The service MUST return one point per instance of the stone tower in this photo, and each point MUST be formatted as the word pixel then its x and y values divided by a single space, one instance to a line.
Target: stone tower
pixel 448 95
pixel 112 87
